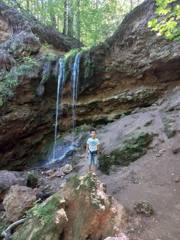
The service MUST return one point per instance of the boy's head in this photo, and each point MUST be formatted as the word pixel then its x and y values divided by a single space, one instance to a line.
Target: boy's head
pixel 93 133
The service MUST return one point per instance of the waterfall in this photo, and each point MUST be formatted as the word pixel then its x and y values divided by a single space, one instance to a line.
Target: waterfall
pixel 74 86
pixel 62 151
pixel 61 77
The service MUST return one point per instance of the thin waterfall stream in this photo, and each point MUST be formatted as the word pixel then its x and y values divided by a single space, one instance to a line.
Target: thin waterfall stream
pixel 60 84
pixel 61 151
pixel 74 84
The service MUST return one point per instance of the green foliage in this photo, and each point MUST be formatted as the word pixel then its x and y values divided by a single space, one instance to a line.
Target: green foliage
pixel 32 179
pixel 3 226
pixel 92 21
pixel 166 22
pixel 45 211
pixel 131 149
pixel 7 84
pixel 9 80
pixel 72 53
pixel 87 183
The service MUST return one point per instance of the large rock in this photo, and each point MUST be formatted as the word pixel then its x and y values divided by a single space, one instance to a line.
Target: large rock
pixel 80 211
pixel 130 149
pixel 17 201
pixel 9 178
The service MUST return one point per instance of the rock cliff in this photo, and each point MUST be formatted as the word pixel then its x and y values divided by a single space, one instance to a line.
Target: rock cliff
pixel 133 68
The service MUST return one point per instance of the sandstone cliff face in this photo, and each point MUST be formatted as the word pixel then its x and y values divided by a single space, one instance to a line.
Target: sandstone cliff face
pixel 131 69
pixel 26 117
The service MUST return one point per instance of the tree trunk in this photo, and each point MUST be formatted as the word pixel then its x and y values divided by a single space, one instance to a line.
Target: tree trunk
pixel 68 18
pixel 52 13
pixel 131 5
pixel 78 21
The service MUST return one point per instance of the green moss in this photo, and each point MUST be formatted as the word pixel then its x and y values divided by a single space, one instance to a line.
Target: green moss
pixel 131 149
pixel 9 80
pixel 46 210
pixel 3 226
pixel 89 182
pixel 40 221
pixel 74 180
pixel 36 230
pixel 86 183
pixel 81 130
pixel 72 53
pixel 169 128
pixel 32 179
pixel 88 65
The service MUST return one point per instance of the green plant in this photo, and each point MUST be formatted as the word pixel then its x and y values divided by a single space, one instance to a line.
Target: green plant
pixel 45 211
pixel 7 84
pixel 9 80
pixel 166 22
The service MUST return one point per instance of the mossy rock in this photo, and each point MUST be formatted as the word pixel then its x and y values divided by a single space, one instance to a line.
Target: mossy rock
pixel 87 183
pixel 40 221
pixel 32 179
pixel 169 126
pixel 130 149
pixel 9 80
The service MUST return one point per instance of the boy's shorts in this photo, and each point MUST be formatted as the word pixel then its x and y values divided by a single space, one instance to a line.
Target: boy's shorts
pixel 92 159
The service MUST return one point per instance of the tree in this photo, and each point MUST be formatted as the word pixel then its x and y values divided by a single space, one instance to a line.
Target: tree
pixel 166 22
pixel 68 18
pixel 90 21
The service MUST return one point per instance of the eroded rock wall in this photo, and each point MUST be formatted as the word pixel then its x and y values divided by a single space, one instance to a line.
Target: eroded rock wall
pixel 131 69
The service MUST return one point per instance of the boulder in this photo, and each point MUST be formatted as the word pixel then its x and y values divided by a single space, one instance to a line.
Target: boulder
pixel 67 168
pixel 80 210
pixel 132 147
pixel 17 201
pixel 9 178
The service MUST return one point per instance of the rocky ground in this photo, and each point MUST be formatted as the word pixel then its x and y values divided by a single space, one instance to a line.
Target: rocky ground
pixel 155 176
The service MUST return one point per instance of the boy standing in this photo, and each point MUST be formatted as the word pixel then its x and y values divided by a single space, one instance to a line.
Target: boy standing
pixel 92 150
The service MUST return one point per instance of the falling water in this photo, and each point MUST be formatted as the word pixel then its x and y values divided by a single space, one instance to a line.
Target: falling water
pixel 62 151
pixel 74 83
pixel 61 77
